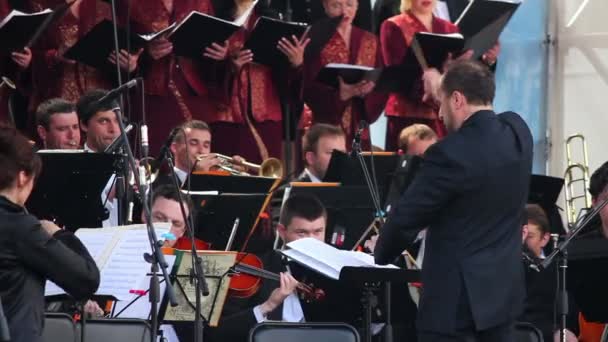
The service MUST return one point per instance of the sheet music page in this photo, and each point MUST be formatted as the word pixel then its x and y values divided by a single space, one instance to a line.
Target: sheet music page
pixel 325 258
pixel 139 305
pixel 118 253
pixel 215 265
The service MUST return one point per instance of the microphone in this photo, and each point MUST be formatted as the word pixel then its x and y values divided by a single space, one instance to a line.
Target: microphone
pixel 117 142
pixel 356 147
pixel 116 92
pixel 164 150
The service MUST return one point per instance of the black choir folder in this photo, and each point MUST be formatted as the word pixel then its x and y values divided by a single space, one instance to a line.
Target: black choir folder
pixel 387 79
pixel 266 35
pixel 19 30
pixel 480 26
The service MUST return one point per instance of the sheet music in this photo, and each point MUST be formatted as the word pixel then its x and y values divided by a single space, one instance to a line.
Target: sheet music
pixel 139 306
pixel 118 253
pixel 215 265
pixel 326 259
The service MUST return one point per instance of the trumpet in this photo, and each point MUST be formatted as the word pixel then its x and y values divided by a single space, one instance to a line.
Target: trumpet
pixel 271 167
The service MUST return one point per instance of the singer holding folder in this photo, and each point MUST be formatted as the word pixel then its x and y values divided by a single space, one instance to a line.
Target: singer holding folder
pixel 56 76
pixel 347 44
pixel 177 88
pixel 256 115
pixel 33 251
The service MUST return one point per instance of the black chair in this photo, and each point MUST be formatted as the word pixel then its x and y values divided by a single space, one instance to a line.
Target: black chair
pixel 59 327
pixel 303 332
pixel 526 332
pixel 115 330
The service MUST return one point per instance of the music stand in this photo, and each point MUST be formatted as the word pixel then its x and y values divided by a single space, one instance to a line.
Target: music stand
pixel 402 177
pixel 69 188
pixel 345 169
pixel 217 266
pixel 370 280
pixel 586 281
pixel 242 197
pixel 349 210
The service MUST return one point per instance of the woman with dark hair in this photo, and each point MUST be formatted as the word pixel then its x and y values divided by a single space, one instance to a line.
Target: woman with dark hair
pixel 253 128
pixel 33 251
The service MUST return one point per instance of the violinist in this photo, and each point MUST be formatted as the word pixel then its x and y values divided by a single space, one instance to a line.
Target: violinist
pixel 165 207
pixel 302 217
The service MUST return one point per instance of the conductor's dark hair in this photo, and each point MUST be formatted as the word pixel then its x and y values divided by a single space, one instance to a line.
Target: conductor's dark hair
pixel 471 78
pixel 168 191
pixel 50 107
pixel 87 105
pixel 599 181
pixel 16 154
pixel 310 142
pixel 304 206
pixel 536 215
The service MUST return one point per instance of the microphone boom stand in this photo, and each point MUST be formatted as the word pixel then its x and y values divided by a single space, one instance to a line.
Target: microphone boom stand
pixel 561 254
pixel 198 273
pixel 156 259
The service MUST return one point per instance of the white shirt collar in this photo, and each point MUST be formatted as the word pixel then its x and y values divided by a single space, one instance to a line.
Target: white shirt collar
pixel 312 177
pixel 181 174
pixel 87 148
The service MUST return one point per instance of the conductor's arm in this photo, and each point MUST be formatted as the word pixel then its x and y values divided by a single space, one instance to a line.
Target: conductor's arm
pixel 439 180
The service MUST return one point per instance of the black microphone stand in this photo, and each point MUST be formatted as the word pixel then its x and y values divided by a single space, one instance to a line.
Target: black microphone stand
pixel 5 333
pixel 156 258
pixel 197 274
pixel 561 254
pixel 375 195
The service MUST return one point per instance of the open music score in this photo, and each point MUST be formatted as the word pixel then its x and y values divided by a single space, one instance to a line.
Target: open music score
pixel 216 266
pixel 118 253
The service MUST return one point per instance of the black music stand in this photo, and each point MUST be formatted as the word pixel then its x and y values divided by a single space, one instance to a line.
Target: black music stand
pixel 371 280
pixel 402 177
pixel 242 197
pixel 587 258
pixel 544 191
pixel 350 211
pixel 345 169
pixel 69 188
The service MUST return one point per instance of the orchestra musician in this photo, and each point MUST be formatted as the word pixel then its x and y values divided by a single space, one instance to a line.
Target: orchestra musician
pixel 177 88
pixel 416 139
pixel 598 188
pixel 482 166
pixel 303 216
pixel 318 145
pixel 33 251
pixel 348 44
pixel 98 122
pixel 57 125
pixel 165 207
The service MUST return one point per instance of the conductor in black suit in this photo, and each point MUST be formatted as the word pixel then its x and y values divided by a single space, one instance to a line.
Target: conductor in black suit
pixel 470 192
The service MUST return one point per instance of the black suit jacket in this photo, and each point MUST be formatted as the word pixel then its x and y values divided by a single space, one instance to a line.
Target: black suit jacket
pixel 28 257
pixel 471 192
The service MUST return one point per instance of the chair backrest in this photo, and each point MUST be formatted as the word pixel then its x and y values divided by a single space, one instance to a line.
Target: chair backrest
pixel 59 327
pixel 303 332
pixel 526 332
pixel 116 330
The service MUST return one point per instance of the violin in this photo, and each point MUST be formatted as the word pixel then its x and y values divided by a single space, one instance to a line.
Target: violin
pixel 247 276
pixel 184 243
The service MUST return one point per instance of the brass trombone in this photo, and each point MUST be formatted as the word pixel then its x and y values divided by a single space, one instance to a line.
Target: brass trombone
pixel 577 173
pixel 271 167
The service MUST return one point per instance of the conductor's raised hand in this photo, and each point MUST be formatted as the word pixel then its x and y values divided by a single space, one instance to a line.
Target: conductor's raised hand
pixel 159 48
pixel 294 49
pixel 216 51
pixel 242 58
